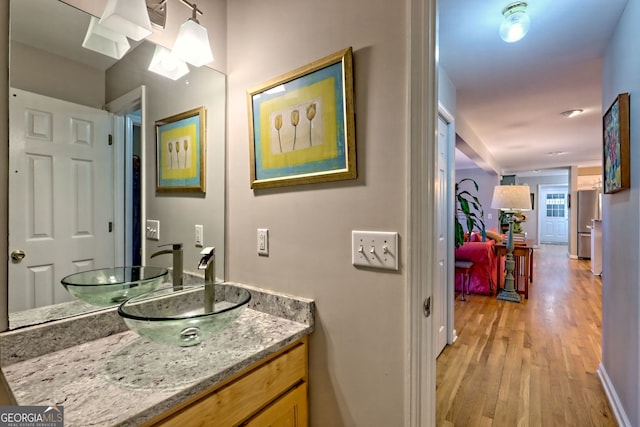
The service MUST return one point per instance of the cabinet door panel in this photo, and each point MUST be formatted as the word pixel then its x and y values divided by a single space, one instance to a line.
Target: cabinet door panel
pixel 233 403
pixel 288 411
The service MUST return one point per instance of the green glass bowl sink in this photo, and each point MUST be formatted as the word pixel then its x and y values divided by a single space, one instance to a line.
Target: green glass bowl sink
pixel 109 286
pixel 179 317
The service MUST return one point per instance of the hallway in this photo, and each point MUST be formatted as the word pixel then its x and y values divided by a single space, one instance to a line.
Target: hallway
pixel 528 364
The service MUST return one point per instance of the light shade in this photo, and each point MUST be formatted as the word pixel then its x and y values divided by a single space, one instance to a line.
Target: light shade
pixel 511 198
pixel 192 44
pixel 128 17
pixel 104 41
pixel 167 64
pixel 516 22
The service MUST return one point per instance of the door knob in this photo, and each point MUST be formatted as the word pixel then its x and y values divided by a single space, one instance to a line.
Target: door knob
pixel 17 255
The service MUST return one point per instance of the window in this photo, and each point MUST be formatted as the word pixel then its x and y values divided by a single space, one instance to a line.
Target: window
pixel 556 205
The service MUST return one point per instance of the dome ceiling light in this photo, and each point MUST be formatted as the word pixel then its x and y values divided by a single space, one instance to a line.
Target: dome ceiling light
pixel 516 22
pixel 572 113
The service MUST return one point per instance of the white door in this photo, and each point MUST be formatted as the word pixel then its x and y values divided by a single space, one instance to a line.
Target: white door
pixel 60 198
pixel 440 288
pixel 554 215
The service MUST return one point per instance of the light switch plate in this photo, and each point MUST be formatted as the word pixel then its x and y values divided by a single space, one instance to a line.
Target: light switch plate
pixel 153 229
pixel 375 249
pixel 263 241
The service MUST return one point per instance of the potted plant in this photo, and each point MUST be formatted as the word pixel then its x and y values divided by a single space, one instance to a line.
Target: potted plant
pixel 468 207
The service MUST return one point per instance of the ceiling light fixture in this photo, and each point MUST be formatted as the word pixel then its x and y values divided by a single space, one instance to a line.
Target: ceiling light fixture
pixel 128 17
pixel 165 63
pixel 572 113
pixel 516 22
pixel 102 40
pixel 192 43
pixel 556 153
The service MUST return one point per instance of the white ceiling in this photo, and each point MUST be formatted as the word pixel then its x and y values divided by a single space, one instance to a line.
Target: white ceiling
pixel 511 94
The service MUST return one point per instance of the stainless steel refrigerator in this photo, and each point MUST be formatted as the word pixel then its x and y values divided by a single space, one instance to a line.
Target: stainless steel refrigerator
pixel 588 209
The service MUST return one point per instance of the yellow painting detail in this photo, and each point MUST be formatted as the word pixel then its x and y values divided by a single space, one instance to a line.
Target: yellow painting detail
pixel 302 126
pixel 178 155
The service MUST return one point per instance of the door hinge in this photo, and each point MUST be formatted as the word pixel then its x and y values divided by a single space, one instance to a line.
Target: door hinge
pixel 427 307
pixel 110 226
pixel 110 139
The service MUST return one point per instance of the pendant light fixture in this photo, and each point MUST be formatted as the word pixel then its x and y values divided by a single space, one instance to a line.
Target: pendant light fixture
pixel 102 40
pixel 192 43
pixel 165 63
pixel 516 22
pixel 128 17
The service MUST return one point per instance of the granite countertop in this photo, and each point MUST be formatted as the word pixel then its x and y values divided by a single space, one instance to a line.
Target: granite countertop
pixel 124 379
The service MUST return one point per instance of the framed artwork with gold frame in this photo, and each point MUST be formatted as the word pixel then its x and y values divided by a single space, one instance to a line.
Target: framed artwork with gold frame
pixel 301 125
pixel 181 152
pixel 615 155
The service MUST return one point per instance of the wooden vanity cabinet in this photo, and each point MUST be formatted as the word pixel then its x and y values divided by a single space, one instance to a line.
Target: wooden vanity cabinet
pixel 272 392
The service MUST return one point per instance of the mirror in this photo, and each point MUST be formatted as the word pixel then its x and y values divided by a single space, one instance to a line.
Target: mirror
pixel 105 197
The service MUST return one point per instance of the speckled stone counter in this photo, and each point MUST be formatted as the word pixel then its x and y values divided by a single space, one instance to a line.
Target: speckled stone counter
pixel 124 380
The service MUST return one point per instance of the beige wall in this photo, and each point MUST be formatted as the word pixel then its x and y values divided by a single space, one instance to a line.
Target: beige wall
pixel 358 352
pixel 64 79
pixel 620 249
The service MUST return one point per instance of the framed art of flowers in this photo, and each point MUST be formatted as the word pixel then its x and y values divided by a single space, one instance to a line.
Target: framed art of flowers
pixel 615 156
pixel 181 152
pixel 301 125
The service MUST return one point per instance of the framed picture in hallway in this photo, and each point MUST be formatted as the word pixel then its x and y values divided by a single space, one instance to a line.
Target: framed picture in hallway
pixel 181 152
pixel 615 156
pixel 301 125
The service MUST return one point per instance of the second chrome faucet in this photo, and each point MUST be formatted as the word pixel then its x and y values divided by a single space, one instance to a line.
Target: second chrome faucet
pixel 208 264
pixel 176 252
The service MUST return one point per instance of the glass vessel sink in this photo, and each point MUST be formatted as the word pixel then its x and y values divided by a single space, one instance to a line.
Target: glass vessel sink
pixel 108 286
pixel 179 317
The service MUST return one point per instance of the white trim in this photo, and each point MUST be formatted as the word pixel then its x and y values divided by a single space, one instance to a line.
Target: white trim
pixel 614 401
pixel 448 118
pixel 420 404
pixel 131 101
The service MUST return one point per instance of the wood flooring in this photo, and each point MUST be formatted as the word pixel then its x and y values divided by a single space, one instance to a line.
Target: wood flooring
pixel 528 364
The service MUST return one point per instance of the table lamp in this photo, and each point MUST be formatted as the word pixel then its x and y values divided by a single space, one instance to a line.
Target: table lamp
pixel 510 198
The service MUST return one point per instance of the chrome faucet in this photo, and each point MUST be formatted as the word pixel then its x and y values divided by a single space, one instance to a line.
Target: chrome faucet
pixel 208 264
pixel 176 251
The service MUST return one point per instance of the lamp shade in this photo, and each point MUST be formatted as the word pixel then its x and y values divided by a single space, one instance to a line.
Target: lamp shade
pixel 128 17
pixel 104 41
pixel 192 44
pixel 516 22
pixel 511 198
pixel 167 64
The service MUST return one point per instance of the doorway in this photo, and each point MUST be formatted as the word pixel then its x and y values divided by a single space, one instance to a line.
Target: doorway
pixel 553 214
pixel 129 145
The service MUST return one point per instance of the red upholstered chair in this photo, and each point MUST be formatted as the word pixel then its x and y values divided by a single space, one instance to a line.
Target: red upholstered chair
pixel 482 274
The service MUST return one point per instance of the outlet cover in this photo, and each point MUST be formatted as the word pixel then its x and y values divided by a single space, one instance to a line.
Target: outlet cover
pixel 263 241
pixel 199 235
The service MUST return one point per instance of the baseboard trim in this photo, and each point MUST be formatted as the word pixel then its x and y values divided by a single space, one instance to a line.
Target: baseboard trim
pixel 610 391
pixel 454 336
